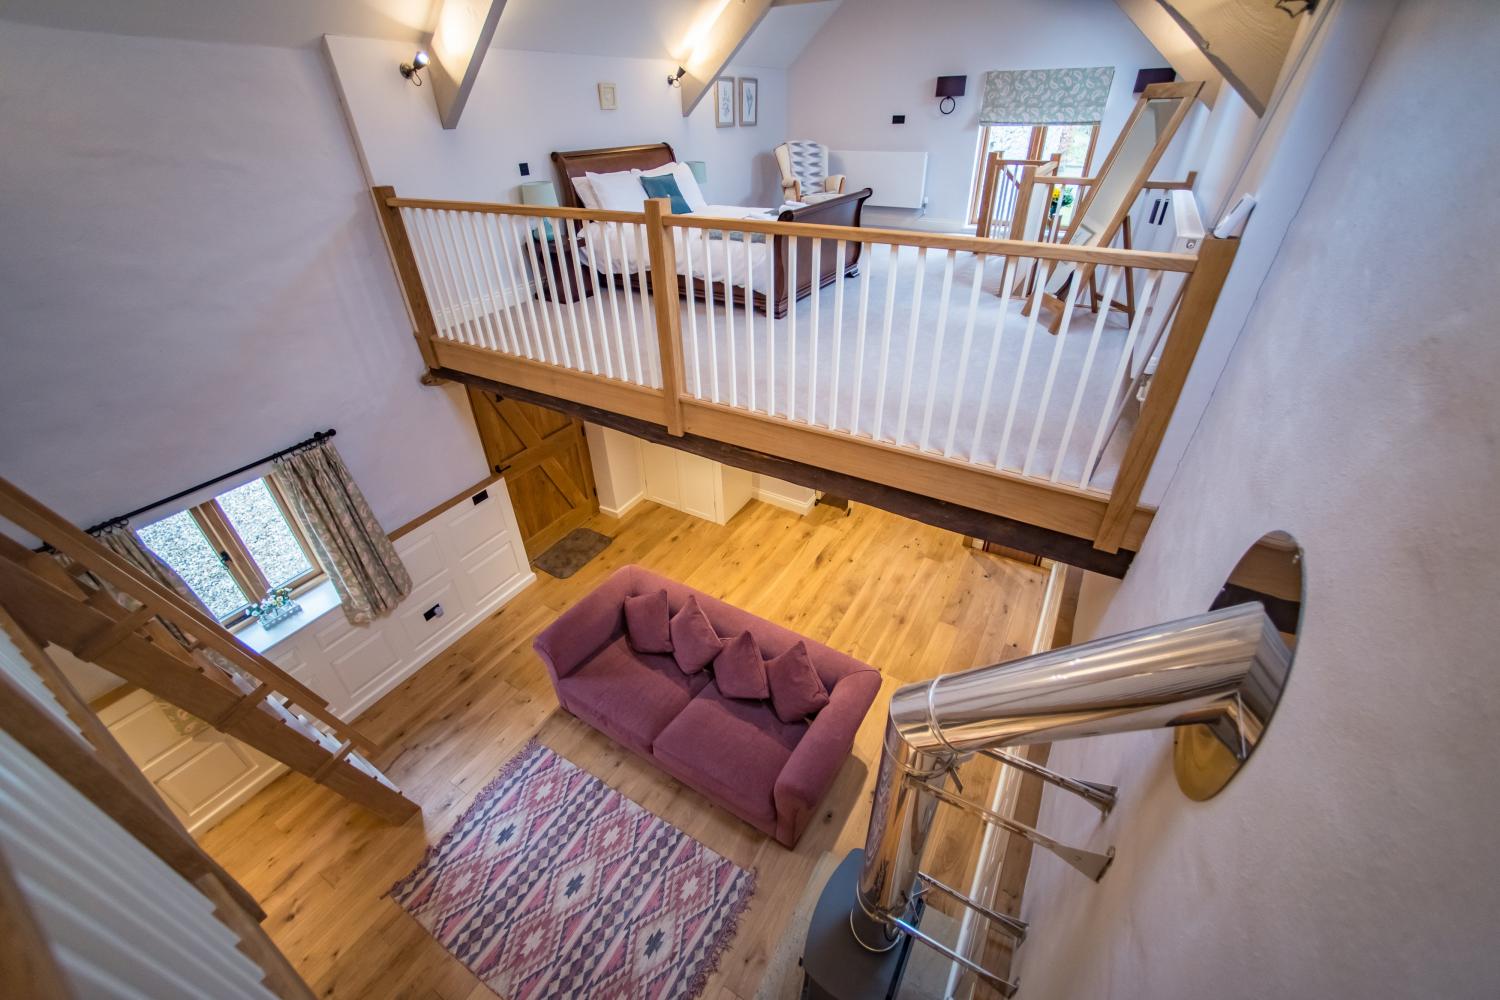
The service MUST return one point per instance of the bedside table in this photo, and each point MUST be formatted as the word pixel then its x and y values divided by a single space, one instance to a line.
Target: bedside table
pixel 555 253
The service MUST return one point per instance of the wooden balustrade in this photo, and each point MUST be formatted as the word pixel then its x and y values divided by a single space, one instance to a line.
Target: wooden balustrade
pixel 892 365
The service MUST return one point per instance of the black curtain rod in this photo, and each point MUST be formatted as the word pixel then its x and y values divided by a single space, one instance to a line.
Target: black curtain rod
pixel 317 438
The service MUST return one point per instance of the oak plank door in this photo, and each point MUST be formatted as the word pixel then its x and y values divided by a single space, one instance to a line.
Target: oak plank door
pixel 545 460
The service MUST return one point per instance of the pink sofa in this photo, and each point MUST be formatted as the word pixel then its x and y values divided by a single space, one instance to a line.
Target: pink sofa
pixel 738 753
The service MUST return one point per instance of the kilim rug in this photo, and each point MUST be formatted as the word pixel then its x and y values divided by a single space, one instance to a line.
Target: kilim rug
pixel 554 885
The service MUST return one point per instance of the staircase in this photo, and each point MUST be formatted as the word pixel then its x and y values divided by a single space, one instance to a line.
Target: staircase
pixel 107 612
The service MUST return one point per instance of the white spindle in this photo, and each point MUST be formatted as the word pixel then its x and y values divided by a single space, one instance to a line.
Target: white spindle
pixel 937 351
pixel 1073 294
pixel 812 332
pixel 667 289
pixel 859 336
pixel 708 315
pixel 1007 283
pixel 580 293
pixel 624 278
pixel 465 263
pixel 606 230
pixel 512 297
pixel 963 352
pixel 455 281
pixel 840 249
pixel 892 271
pixel 911 344
pixel 591 268
pixel 1117 378
pixel 520 284
pixel 692 312
pixel 771 326
pixel 562 297
pixel 484 279
pixel 493 286
pixel 791 329
pixel 432 282
pixel 734 378
pixel 551 319
pixel 750 319
pixel 1041 269
pixel 1111 280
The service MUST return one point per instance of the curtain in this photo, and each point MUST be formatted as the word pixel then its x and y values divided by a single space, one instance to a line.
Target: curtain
pixel 349 542
pixel 1046 96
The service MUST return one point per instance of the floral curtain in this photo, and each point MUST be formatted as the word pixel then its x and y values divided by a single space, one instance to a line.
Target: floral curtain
pixel 349 542
pixel 1046 96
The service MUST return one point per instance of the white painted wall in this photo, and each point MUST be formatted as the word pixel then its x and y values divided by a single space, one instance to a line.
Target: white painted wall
pixel 876 58
pixel 525 105
pixel 193 277
pixel 1351 857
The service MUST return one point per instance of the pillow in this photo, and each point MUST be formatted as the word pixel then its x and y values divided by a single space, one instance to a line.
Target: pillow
pixel 646 623
pixel 686 183
pixel 620 191
pixel 585 192
pixel 665 186
pixel 739 670
pixel 694 641
pixel 796 690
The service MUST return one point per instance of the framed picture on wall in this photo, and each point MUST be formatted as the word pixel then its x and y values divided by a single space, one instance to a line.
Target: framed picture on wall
pixel 749 100
pixel 724 103
pixel 607 100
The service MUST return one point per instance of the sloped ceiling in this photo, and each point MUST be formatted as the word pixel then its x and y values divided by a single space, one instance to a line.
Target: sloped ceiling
pixel 647 29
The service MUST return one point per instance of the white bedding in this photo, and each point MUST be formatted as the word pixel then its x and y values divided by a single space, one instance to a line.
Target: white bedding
pixel 602 249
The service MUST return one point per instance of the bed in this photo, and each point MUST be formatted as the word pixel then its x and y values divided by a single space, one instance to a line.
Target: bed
pixel 764 265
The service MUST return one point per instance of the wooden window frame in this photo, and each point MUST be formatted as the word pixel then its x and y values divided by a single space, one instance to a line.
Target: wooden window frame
pixel 1034 146
pixel 236 557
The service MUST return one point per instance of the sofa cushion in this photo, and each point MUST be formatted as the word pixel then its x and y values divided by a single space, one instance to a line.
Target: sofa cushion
pixel 739 670
pixel 796 691
pixel 730 750
pixel 694 641
pixel 647 622
pixel 630 696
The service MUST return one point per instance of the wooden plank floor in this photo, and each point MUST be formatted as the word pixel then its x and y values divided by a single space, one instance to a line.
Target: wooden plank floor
pixel 908 598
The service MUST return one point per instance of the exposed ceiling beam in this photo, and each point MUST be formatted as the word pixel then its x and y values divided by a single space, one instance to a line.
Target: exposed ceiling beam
pixel 718 45
pixel 459 42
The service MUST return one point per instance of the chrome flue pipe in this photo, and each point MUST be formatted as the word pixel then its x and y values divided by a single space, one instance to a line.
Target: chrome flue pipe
pixel 1224 669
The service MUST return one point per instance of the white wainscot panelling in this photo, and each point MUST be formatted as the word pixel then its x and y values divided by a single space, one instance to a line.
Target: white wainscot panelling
pixel 694 484
pixel 467 561
pixel 200 772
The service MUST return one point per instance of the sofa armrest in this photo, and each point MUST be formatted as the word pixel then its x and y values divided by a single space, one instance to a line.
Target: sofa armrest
pixel 834 183
pixel 817 758
pixel 586 627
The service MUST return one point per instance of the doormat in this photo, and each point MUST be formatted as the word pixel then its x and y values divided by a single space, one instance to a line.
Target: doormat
pixel 571 554
pixel 554 885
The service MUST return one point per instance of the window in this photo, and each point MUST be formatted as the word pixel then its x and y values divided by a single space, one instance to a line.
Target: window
pixel 1074 145
pixel 235 548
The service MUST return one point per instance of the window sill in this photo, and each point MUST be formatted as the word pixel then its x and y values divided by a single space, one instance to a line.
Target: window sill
pixel 316 603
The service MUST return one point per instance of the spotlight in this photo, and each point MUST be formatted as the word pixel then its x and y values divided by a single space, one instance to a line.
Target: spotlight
pixel 413 70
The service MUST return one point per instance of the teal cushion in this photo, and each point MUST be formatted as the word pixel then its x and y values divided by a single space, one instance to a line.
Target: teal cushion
pixel 665 186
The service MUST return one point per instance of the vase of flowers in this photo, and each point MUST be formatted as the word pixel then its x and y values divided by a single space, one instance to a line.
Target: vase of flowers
pixel 1061 198
pixel 276 607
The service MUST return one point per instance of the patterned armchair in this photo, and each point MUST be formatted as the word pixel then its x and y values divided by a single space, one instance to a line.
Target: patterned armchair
pixel 804 172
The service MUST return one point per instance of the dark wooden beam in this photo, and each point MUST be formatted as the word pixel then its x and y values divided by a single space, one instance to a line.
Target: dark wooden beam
pixel 1044 542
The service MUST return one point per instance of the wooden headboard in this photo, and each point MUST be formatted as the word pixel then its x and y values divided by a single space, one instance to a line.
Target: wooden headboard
pixel 578 162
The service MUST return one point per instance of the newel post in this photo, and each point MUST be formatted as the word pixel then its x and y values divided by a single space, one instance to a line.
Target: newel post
pixel 1199 296
pixel 398 244
pixel 664 304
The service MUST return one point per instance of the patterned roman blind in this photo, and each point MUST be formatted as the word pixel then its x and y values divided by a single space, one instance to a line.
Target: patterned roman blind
pixel 1046 96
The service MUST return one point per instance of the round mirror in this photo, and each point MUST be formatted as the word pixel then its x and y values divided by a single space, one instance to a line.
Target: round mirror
pixel 1270 573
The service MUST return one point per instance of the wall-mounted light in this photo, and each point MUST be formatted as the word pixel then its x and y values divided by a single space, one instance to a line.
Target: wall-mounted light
pixel 949 88
pixel 413 70
pixel 675 79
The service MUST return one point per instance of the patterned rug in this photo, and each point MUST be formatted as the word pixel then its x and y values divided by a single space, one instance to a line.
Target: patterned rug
pixel 554 885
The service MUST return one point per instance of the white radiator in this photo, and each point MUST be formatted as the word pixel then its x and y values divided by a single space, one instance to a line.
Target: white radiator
pixel 898 180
